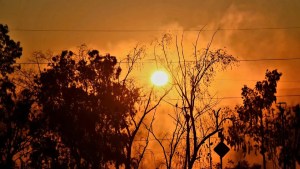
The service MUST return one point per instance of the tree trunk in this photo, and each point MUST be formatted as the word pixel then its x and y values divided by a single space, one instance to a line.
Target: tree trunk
pixel 9 164
pixel 117 164
pixel 191 162
pixel 263 149
pixel 264 161
pixel 187 152
pixel 128 156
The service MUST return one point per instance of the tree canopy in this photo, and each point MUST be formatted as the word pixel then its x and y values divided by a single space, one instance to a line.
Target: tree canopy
pixel 85 103
pixel 261 127
pixel 15 106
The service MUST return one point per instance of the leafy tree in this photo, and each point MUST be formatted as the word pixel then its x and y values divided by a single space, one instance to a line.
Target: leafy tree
pixel 9 52
pixel 287 136
pixel 15 107
pixel 86 105
pixel 254 118
pixel 293 139
pixel 48 152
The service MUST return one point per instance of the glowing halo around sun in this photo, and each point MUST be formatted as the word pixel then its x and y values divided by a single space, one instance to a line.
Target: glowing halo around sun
pixel 159 78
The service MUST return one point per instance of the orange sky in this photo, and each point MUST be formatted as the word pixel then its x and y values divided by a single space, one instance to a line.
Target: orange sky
pixel 138 21
pixel 133 15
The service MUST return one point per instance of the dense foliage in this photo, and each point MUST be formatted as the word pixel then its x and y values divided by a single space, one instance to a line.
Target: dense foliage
pixel 263 127
pixel 15 106
pixel 86 104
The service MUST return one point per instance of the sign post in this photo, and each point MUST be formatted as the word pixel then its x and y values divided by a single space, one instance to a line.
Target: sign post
pixel 221 149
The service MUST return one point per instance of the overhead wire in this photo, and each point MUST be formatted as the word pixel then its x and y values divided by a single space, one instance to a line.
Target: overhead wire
pixel 240 60
pixel 248 60
pixel 231 97
pixel 163 30
pixel 268 59
pixel 152 30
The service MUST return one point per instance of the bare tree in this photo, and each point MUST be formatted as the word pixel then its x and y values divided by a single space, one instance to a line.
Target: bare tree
pixel 192 76
pixel 170 145
pixel 136 125
pixel 145 105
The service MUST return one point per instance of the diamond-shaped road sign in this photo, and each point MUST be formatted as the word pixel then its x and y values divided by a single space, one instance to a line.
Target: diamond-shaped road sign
pixel 221 149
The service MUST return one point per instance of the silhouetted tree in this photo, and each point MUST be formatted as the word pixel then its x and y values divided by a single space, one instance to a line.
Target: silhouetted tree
pixel 287 135
pixel 132 125
pixel 9 52
pixel 254 118
pixel 170 145
pixel 191 75
pixel 86 105
pixel 15 106
pixel 293 138
pixel 136 122
pixel 48 152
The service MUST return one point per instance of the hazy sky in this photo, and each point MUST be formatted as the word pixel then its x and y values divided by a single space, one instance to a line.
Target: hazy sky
pixel 140 19
pixel 115 26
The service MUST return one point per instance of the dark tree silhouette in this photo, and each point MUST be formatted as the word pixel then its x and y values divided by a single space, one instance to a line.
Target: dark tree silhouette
pixel 287 135
pixel 170 149
pixel 9 52
pixel 86 105
pixel 294 137
pixel 254 118
pixel 48 152
pixel 15 107
pixel 192 74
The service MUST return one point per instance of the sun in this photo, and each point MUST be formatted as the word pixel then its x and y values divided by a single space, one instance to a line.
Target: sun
pixel 159 78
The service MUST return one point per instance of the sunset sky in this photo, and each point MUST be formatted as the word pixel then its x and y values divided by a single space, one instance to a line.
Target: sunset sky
pixel 257 29
pixel 260 30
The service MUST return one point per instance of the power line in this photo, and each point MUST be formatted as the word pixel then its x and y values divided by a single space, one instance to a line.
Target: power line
pixel 261 28
pixel 168 101
pixel 290 95
pixel 167 138
pixel 214 98
pixel 232 97
pixel 241 60
pixel 153 30
pixel 268 59
pixel 252 80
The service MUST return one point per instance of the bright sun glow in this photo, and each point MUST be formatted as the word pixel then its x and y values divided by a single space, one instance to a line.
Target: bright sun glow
pixel 159 78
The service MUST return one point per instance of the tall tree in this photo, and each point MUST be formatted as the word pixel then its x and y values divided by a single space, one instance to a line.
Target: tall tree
pixel 192 75
pixel 286 135
pixel 15 107
pixel 144 107
pixel 133 123
pixel 254 117
pixel 86 105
